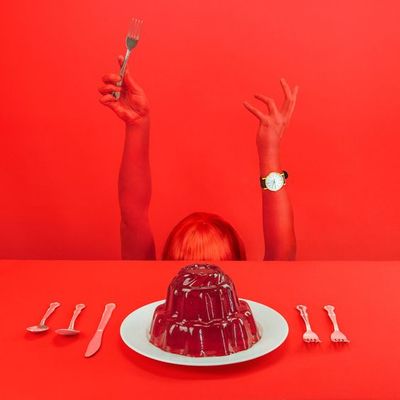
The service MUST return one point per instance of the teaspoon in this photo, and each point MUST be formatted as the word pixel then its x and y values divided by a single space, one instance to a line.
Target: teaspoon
pixel 41 327
pixel 70 331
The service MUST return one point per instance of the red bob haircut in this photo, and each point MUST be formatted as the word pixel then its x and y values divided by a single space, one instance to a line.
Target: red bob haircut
pixel 203 236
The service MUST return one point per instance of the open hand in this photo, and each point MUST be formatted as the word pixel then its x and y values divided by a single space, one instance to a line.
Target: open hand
pixel 132 106
pixel 273 123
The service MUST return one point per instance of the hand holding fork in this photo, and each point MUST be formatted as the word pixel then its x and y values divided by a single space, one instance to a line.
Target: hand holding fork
pixel 132 40
pixel 129 102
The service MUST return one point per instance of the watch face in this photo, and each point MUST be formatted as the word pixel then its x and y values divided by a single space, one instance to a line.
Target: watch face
pixel 274 181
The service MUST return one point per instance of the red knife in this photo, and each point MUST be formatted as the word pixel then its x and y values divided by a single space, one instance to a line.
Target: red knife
pixel 95 343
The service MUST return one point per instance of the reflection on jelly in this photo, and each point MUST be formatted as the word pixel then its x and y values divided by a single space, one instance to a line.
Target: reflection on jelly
pixel 202 315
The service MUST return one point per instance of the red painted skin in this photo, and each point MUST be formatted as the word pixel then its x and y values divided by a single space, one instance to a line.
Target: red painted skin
pixel 202 315
pixel 137 240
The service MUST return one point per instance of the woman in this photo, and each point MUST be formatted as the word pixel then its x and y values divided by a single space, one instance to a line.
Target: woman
pixel 200 236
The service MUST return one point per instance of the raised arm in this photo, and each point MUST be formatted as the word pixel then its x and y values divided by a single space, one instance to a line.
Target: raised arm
pixel 279 235
pixel 134 186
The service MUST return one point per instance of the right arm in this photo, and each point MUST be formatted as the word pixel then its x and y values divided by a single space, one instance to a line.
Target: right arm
pixel 134 185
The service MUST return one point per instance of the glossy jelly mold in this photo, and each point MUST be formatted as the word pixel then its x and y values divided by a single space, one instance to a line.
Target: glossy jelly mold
pixel 202 315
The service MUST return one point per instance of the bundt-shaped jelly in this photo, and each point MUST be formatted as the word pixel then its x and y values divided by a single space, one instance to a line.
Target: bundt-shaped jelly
pixel 202 315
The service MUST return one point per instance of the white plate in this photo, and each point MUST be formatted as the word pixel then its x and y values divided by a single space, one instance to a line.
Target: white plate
pixel 272 325
pixel 135 333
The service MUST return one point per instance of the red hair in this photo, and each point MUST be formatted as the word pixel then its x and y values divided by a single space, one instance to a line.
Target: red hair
pixel 203 236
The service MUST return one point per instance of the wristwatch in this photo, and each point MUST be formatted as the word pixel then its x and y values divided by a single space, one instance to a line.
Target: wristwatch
pixel 274 181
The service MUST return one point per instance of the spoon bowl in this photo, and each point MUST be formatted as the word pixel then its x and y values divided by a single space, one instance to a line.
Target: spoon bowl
pixel 37 328
pixel 67 332
pixel 41 327
pixel 71 331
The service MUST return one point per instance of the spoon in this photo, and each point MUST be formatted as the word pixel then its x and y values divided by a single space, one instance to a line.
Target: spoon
pixel 70 331
pixel 42 327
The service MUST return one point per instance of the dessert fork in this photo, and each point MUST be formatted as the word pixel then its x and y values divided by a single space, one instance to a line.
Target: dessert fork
pixel 309 336
pixel 132 39
pixel 337 336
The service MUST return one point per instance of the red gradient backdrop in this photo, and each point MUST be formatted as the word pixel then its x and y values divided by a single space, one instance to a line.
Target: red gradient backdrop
pixel 198 60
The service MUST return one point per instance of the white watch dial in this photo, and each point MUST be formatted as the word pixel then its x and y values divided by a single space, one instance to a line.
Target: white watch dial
pixel 274 181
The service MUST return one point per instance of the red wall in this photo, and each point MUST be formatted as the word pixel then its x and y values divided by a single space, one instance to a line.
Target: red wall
pixel 198 60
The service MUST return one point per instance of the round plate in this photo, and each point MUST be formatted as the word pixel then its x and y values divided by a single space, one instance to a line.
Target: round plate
pixel 135 333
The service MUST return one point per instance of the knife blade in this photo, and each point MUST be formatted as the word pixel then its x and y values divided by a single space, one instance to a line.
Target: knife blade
pixel 95 342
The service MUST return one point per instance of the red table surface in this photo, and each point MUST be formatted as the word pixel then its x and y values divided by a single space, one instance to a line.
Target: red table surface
pixel 48 366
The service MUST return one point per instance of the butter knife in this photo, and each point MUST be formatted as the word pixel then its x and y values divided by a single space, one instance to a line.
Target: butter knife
pixel 95 343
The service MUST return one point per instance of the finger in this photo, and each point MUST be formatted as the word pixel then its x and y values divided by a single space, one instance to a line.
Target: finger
pixel 111 78
pixel 109 89
pixel 286 89
pixel 273 109
pixel 108 98
pixel 288 95
pixel 110 101
pixel 290 98
pixel 262 117
pixel 292 103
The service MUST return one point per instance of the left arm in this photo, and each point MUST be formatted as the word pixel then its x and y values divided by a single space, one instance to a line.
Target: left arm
pixel 278 224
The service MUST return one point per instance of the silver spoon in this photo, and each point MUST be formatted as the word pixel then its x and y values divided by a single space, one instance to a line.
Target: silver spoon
pixel 41 327
pixel 70 331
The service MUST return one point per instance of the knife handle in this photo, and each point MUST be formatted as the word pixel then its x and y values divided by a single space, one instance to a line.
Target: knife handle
pixel 109 308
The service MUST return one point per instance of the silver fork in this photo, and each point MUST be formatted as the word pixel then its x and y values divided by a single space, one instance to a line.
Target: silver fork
pixel 337 336
pixel 309 336
pixel 132 39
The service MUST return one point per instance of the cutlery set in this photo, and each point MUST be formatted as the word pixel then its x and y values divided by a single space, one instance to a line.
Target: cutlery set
pixel 311 337
pixel 94 343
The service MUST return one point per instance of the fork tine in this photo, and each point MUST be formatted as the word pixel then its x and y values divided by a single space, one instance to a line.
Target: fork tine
pixel 139 28
pixel 135 25
pixel 135 29
pixel 131 27
pixel 136 32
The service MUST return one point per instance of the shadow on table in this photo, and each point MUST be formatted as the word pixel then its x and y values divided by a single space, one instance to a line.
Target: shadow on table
pixel 193 372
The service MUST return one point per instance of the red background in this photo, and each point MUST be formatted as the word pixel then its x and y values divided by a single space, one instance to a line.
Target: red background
pixel 60 149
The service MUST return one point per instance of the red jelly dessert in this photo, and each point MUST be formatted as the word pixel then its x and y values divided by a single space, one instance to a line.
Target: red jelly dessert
pixel 202 315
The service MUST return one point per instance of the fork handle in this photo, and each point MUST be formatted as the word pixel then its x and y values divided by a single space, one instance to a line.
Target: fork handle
pixel 122 73
pixel 331 313
pixel 303 312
